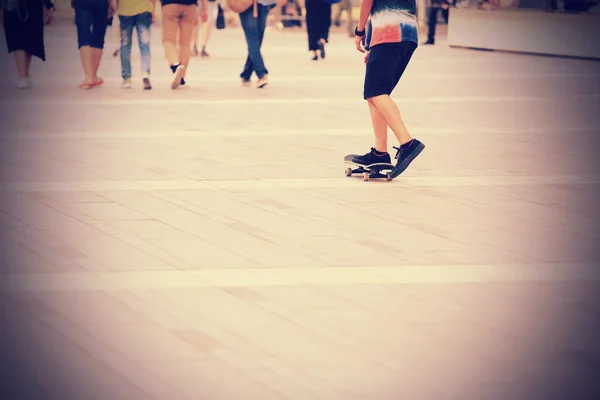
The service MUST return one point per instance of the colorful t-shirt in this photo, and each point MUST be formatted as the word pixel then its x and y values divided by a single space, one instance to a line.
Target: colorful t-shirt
pixel 392 21
pixel 129 8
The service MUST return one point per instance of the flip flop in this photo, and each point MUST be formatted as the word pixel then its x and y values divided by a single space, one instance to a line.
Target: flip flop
pixel 86 86
pixel 99 82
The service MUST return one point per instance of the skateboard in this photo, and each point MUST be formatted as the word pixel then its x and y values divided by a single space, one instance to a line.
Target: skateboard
pixel 369 171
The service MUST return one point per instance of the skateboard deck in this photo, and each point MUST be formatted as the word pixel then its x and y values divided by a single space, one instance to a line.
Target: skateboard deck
pixel 368 171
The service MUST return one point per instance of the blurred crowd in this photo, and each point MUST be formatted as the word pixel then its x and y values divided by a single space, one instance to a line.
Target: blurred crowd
pixel 187 26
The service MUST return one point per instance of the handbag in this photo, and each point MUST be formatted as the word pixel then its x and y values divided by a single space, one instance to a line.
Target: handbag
pixel 239 6
pixel 220 18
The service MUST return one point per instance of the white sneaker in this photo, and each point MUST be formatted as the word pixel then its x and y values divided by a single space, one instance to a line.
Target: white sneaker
pixel 23 83
pixel 126 84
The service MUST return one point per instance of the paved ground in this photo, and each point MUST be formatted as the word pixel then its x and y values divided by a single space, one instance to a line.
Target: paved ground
pixel 205 243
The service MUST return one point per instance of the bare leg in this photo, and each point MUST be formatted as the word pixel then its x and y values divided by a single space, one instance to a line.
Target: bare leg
pixel 96 58
pixel 88 65
pixel 23 61
pixel 206 30
pixel 389 111
pixel 379 128
pixel 185 37
pixel 28 63
pixel 195 34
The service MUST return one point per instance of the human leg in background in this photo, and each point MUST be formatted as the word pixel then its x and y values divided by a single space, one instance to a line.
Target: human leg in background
pixel 431 24
pixel 189 15
pixel 347 4
pixel 207 27
pixel 195 36
pixel 116 31
pixel 254 30
pixel 339 8
pixel 313 26
pixel 143 23
pixel 23 60
pixel 126 29
pixel 99 17
pixel 171 13
pixel 324 25
pixel 84 21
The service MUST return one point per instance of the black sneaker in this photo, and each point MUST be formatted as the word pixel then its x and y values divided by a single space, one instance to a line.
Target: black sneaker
pixel 372 157
pixel 405 155
pixel 147 84
pixel 178 71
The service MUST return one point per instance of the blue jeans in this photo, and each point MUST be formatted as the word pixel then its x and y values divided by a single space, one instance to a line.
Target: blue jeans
pixel 91 18
pixel 142 23
pixel 254 30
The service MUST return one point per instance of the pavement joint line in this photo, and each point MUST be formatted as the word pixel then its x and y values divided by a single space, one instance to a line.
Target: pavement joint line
pixel 216 133
pixel 411 78
pixel 286 183
pixel 299 276
pixel 286 101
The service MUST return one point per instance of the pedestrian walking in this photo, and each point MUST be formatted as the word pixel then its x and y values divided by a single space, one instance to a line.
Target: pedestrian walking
pixel 178 19
pixel 138 14
pixel 254 23
pixel 91 18
pixel 24 32
pixel 318 22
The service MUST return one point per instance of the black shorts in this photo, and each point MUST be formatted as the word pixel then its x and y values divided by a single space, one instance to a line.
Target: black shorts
pixel 385 66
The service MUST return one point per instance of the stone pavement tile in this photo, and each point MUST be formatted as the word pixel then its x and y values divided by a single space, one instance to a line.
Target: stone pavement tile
pixel 144 341
pixel 213 379
pixel 108 211
pixel 90 307
pixel 138 200
pixel 138 380
pixel 75 196
pixel 93 242
pixel 200 254
pixel 287 381
pixel 148 229
pixel 160 317
pixel 266 331
pixel 56 365
pixel 166 300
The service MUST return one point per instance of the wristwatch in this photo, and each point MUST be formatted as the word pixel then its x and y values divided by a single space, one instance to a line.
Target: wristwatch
pixel 359 33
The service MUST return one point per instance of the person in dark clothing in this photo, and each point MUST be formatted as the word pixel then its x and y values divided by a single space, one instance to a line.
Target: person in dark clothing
pixel 24 32
pixel 432 16
pixel 318 21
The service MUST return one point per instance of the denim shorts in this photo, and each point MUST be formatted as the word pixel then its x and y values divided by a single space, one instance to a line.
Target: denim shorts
pixel 91 18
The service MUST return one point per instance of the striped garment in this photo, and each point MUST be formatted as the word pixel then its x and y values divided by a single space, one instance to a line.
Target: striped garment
pixel 392 21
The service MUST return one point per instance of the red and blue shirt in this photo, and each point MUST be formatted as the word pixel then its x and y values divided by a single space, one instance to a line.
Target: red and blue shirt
pixel 392 21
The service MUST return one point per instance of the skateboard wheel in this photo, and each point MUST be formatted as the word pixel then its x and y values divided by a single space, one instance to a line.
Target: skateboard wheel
pixel 348 171
pixel 388 176
pixel 365 176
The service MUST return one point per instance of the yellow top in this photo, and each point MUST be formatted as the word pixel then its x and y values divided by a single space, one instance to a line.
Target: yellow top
pixel 128 8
